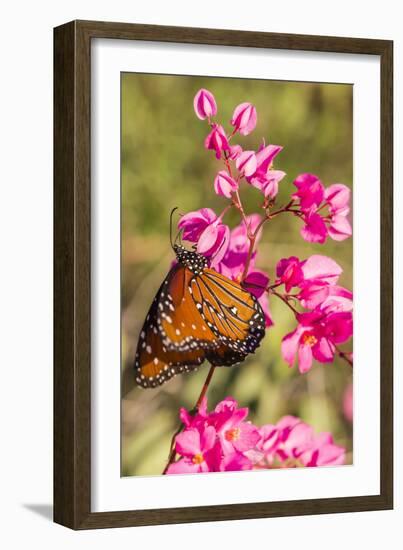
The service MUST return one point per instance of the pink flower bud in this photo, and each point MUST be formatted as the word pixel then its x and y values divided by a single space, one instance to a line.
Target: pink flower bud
pixel 246 163
pixel 224 185
pixel 244 118
pixel 289 272
pixel 217 140
pixel 204 104
pixel 234 151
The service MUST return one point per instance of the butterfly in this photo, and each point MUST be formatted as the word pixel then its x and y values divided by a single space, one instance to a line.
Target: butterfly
pixel 197 314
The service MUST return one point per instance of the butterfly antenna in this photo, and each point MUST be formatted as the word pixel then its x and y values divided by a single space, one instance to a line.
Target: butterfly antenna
pixel 170 225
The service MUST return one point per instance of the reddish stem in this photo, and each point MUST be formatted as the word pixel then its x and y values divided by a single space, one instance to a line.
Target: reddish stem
pixel 285 300
pixel 345 356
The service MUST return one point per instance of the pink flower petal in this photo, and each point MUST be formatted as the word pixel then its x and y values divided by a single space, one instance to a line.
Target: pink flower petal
pixel 315 230
pixel 183 466
pixel 207 438
pixel 265 305
pixel 324 351
pixel 310 192
pixel 340 228
pixel 321 267
pixel 235 462
pixel 256 282
pixel 338 196
pixel 289 346
pixel 187 443
pixel 234 151
pixel 304 358
pixel 246 163
pixel 224 185
pixel 265 157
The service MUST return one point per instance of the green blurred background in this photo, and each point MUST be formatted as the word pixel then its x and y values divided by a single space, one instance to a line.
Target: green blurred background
pixel 164 164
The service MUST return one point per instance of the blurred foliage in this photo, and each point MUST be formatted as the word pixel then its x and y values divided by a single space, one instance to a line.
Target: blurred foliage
pixel 164 164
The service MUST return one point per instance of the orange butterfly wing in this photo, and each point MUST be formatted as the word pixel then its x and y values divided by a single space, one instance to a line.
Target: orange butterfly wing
pixel 154 364
pixel 231 312
pixel 179 320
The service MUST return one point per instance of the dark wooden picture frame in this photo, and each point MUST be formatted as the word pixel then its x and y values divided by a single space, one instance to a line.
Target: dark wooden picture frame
pixel 72 270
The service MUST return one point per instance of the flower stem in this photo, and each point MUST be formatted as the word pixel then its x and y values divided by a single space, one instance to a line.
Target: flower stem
pixel 252 239
pixel 205 388
pixel 285 300
pixel 345 356
pixel 172 452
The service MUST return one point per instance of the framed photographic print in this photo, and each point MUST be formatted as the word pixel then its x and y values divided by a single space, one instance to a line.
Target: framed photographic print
pixel 223 233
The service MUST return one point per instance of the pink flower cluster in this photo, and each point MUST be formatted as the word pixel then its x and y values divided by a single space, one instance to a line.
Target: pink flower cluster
pixel 223 440
pixel 330 321
pixel 256 168
pixel 324 319
pixel 312 197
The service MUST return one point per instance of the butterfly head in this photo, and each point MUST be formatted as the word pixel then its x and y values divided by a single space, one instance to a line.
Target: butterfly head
pixel 192 260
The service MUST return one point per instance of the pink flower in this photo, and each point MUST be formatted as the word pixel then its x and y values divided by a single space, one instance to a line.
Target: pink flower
pixel 235 462
pixel 224 185
pixel 314 230
pixel 190 420
pixel 217 140
pixel 316 277
pixel 224 440
pixel 204 104
pixel 244 118
pixel 316 336
pixel 338 197
pixel 310 191
pixel 246 163
pixel 323 452
pixel 348 403
pixel 289 271
pixel 194 223
pixel 270 187
pixel 234 434
pixel 215 441
pixel 319 274
pixel 265 178
pixel 292 442
pixel 196 446
pixel 205 228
